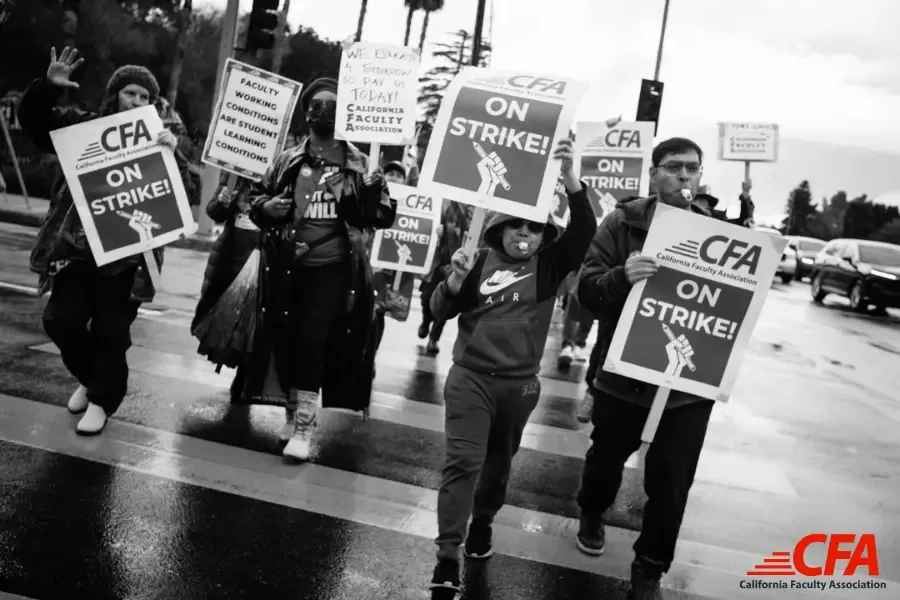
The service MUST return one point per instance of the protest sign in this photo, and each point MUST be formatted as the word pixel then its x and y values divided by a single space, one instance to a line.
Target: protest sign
pixel 687 327
pixel 559 205
pixel 127 188
pixel 614 161
pixel 409 244
pixel 748 142
pixel 252 120
pixel 494 137
pixel 378 94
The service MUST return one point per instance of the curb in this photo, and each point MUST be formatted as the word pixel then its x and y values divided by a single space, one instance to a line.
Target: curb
pixel 34 219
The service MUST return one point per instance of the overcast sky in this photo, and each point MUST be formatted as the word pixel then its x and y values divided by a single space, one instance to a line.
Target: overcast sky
pixel 825 71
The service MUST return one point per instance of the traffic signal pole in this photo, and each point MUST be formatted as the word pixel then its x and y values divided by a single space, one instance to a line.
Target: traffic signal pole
pixel 211 174
pixel 281 41
pixel 662 37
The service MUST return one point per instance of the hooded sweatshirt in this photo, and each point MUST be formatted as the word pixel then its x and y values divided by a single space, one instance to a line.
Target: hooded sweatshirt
pixel 505 305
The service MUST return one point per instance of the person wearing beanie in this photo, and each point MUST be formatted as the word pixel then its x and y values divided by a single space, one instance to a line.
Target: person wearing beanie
pixel 504 298
pixel 318 330
pixel 108 297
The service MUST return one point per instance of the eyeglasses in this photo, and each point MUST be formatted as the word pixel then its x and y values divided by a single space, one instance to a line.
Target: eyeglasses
pixel 323 105
pixel 532 226
pixel 674 168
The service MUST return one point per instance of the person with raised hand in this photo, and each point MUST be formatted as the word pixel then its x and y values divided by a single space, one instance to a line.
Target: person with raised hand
pixel 109 296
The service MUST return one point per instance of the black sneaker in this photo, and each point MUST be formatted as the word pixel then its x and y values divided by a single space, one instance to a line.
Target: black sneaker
pixel 424 330
pixel 645 580
pixel 445 581
pixel 478 542
pixel 432 348
pixel 591 538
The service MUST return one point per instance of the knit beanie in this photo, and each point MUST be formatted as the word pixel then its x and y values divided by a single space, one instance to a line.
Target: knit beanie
pixel 125 76
pixel 322 83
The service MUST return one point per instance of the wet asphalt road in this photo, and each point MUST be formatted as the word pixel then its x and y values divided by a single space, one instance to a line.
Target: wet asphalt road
pixel 183 497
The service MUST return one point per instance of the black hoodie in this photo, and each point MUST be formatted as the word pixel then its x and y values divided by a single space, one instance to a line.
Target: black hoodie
pixel 505 305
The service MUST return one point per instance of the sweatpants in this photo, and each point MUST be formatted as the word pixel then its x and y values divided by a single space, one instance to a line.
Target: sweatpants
pixel 95 355
pixel 427 289
pixel 484 418
pixel 577 324
pixel 318 301
pixel 668 474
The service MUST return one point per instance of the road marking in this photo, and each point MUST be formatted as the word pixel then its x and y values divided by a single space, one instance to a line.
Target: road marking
pixel 28 290
pixel 730 469
pixel 701 569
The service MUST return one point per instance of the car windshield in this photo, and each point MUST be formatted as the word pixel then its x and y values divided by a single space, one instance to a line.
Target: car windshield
pixel 880 255
pixel 809 246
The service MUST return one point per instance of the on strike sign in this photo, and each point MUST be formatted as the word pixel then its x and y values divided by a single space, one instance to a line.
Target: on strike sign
pixel 687 327
pixel 615 162
pixel 409 245
pixel 127 189
pixel 378 94
pixel 493 140
pixel 252 119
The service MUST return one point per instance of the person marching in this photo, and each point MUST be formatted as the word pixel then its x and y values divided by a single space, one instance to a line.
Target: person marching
pixel 109 296
pixel 316 301
pixel 455 220
pixel 621 405
pixel 504 297
pixel 220 322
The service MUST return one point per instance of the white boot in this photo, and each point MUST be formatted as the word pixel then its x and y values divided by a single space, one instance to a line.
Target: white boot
pixel 93 421
pixel 304 423
pixel 78 402
pixel 287 430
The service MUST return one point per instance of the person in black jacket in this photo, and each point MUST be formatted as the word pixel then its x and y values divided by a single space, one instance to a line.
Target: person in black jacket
pixel 109 296
pixel 230 252
pixel 318 328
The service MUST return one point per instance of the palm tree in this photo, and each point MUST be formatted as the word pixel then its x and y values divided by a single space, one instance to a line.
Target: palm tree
pixel 362 19
pixel 413 6
pixel 429 6
pixel 184 23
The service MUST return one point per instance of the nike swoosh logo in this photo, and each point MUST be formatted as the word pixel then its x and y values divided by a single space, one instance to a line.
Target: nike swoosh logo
pixel 488 288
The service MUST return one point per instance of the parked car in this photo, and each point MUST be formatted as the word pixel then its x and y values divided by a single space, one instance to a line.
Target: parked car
pixel 866 272
pixel 787 267
pixel 807 248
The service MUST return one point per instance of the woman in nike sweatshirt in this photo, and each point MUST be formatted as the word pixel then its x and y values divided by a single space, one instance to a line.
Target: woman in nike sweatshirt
pixel 504 297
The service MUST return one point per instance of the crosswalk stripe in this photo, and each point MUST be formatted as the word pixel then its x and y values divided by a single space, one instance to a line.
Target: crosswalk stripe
pixel 718 467
pixel 699 568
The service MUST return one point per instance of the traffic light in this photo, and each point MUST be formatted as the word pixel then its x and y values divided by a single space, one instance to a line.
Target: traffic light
pixel 263 22
pixel 650 101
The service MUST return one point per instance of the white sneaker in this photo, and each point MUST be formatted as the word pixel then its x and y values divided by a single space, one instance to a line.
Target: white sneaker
pixel 287 430
pixel 93 421
pixel 298 446
pixel 78 403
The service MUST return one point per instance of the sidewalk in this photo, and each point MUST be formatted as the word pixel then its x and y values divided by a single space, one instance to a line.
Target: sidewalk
pixel 14 209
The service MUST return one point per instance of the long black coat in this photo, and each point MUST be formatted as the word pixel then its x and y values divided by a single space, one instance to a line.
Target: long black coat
pixel 350 352
pixel 230 250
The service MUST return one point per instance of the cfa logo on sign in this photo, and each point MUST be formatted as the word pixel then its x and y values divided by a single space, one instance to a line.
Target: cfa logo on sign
pixel 118 137
pixel 844 547
pixel 418 202
pixel 526 82
pixel 721 251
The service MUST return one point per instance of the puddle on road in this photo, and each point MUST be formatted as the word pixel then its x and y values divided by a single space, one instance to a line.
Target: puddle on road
pixel 783 352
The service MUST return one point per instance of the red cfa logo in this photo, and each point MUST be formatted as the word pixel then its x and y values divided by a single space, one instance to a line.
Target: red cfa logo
pixel 851 551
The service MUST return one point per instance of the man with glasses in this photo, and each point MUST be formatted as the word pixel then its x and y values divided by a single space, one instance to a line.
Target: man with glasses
pixel 621 405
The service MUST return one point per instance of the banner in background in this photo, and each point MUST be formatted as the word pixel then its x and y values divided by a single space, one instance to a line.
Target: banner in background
pixel 614 162
pixel 748 142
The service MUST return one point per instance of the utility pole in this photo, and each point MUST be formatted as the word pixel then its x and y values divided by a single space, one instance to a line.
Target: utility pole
pixel 479 29
pixel 211 174
pixel 281 40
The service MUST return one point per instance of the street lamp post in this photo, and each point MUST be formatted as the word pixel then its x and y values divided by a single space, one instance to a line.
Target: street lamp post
pixel 662 37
